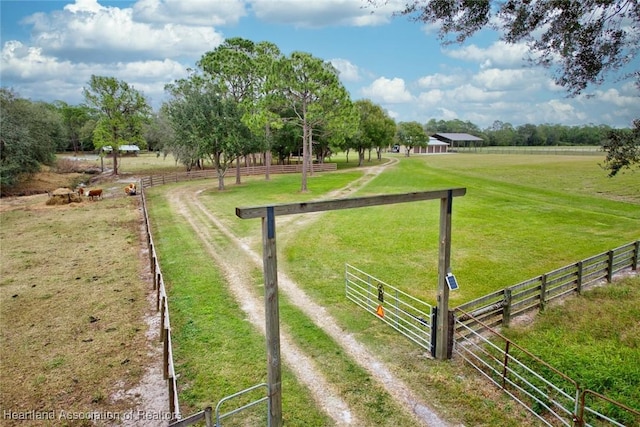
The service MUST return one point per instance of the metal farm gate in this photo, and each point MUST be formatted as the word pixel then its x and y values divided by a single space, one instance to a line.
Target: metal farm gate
pixel 408 315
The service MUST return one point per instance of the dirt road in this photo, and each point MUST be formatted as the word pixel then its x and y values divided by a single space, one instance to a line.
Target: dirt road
pixel 236 265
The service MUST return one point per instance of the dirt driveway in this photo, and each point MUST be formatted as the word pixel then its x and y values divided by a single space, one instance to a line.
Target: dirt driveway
pixel 236 266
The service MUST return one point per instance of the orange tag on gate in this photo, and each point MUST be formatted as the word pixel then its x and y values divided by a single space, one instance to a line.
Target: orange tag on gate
pixel 380 311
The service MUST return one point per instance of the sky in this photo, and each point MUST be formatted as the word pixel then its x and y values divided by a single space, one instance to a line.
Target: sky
pixel 50 49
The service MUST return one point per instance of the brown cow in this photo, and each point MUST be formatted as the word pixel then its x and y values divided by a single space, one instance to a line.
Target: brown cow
pixel 130 189
pixel 95 193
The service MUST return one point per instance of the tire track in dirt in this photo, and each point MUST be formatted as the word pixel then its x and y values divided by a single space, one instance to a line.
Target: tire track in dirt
pixel 400 391
pixel 236 269
pixel 237 272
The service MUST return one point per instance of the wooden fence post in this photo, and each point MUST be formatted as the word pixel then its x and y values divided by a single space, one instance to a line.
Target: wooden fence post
pixel 634 262
pixel 153 272
pixel 543 291
pixel 162 318
pixel 172 390
pixel 165 358
pixel 158 294
pixel 610 267
pixel 579 279
pixel 506 307
pixel 208 417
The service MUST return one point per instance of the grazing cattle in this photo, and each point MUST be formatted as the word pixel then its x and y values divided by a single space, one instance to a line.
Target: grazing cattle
pixel 97 193
pixel 80 191
pixel 130 189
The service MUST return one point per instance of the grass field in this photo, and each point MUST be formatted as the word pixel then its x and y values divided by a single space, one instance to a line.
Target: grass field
pixel 522 216
pixel 73 306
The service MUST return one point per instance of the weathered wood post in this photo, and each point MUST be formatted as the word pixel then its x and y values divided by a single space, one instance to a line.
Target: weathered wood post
pixel 268 214
pixel 272 317
pixel 444 260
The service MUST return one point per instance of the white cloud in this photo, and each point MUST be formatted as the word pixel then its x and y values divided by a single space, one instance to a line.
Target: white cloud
pixel 446 114
pixel 390 91
pixel 468 93
pixel 439 80
pixel 86 31
pixel 348 71
pixel 499 55
pixel 613 96
pixel 55 79
pixel 509 79
pixel 432 97
pixel 317 14
pixel 190 12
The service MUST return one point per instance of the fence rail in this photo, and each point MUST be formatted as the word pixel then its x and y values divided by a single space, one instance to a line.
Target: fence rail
pixel 151 180
pixel 541 150
pixel 497 308
pixel 551 396
pixel 168 369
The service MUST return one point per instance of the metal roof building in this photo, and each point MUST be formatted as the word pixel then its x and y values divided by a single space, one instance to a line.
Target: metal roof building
pixel 459 139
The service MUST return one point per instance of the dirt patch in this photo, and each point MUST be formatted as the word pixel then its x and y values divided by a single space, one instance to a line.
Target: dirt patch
pixel 78 333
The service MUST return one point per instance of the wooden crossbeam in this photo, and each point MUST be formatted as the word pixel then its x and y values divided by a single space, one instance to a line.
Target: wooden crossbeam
pixel 356 202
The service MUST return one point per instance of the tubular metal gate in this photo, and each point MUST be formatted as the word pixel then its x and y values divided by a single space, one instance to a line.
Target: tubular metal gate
pixel 408 315
pixel 551 396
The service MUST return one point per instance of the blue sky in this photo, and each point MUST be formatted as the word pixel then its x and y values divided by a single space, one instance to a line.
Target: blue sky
pixel 51 48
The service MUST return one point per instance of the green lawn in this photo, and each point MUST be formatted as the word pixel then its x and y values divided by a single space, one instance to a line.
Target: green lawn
pixel 522 216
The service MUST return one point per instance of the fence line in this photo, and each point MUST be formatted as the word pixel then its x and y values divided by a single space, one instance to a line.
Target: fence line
pixel 497 308
pixel 551 396
pixel 566 150
pixel 151 180
pixel 168 368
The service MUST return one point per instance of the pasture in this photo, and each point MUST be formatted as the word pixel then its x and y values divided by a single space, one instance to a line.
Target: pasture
pixel 73 303
pixel 522 216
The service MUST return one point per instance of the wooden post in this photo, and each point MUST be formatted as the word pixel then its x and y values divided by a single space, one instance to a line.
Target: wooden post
pixel 272 318
pixel 543 291
pixel 163 308
pixel 165 358
pixel 610 267
pixel 506 308
pixel 579 280
pixel 444 259
pixel 268 214
pixel 636 256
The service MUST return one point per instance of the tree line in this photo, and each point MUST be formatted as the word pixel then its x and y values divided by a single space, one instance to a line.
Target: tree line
pixel 246 101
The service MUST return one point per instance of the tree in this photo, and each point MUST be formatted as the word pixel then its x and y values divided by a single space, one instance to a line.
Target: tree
pixel 411 134
pixel 623 149
pixel 206 124
pixel 122 112
pixel 314 92
pixel 241 69
pixel 74 118
pixel 29 135
pixel 584 40
pixel 375 129
pixel 158 133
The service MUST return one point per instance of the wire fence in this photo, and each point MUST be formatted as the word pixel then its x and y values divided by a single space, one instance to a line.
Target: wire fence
pixel 551 396
pixel 540 150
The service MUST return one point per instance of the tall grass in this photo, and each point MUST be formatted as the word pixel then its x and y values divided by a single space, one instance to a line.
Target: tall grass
pixel 594 339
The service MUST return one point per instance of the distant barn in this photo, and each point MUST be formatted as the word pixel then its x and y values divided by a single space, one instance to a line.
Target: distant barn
pixel 434 146
pixel 132 150
pixel 459 140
